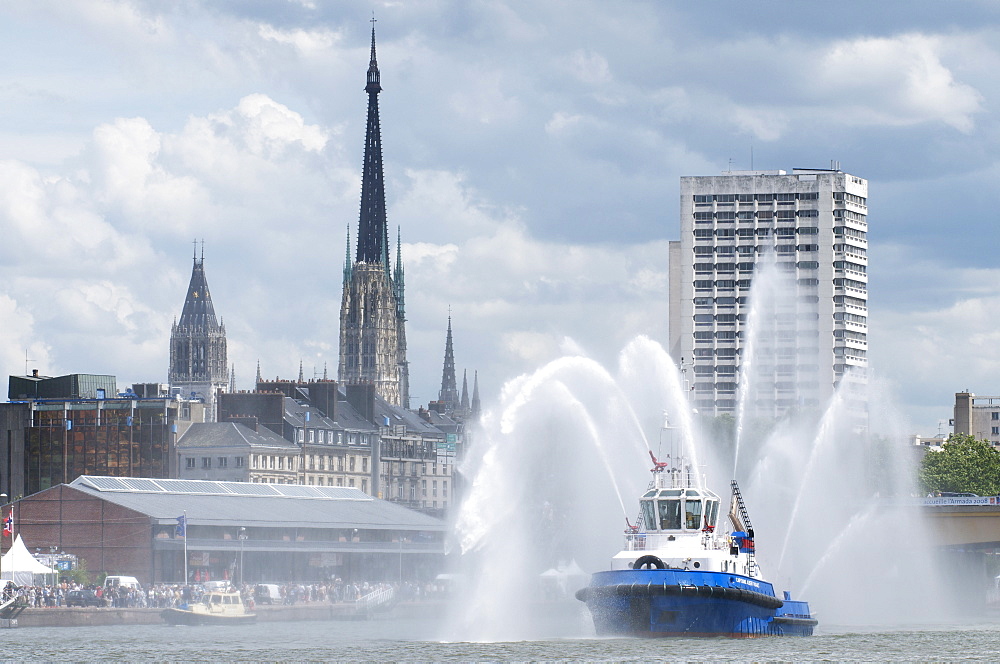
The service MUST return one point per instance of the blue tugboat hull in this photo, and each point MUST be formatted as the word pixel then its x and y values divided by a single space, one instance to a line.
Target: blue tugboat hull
pixel 670 602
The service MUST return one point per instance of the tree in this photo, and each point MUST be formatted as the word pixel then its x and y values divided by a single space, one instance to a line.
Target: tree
pixel 964 464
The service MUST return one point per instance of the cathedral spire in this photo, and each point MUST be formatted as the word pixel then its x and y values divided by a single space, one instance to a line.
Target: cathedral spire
pixel 373 235
pixel 259 378
pixel 449 390
pixel 372 325
pixel 302 376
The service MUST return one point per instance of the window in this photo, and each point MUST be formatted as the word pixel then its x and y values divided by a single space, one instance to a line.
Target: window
pixel 239 462
pixel 189 461
pixel 364 464
pixel 703 250
pixel 351 464
pixel 223 462
pixel 995 415
pixel 206 462
pixel 995 431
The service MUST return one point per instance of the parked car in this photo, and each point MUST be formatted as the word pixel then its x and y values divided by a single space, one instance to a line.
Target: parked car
pixel 85 597
pixel 267 593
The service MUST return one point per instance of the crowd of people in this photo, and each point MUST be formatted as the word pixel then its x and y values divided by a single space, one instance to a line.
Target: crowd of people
pixel 163 595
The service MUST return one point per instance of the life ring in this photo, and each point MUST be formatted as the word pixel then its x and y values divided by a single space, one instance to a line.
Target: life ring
pixel 648 562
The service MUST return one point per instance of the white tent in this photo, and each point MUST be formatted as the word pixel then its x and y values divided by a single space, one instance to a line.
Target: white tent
pixel 19 566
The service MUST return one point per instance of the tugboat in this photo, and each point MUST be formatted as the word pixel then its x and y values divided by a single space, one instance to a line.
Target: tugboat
pixel 678 576
pixel 218 607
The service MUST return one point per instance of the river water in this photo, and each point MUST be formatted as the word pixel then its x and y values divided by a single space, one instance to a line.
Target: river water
pixel 417 639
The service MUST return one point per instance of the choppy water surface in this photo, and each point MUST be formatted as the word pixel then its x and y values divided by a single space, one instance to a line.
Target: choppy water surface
pixel 414 640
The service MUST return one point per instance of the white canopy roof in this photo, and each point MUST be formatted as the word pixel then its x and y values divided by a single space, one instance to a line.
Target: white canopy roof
pixel 18 565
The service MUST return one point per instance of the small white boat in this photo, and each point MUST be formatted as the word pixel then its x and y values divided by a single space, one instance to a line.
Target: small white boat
pixel 218 607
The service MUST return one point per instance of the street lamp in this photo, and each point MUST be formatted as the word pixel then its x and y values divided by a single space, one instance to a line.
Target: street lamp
pixel 243 537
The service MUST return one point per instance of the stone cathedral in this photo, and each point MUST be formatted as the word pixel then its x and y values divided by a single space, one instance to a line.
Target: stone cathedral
pixel 372 315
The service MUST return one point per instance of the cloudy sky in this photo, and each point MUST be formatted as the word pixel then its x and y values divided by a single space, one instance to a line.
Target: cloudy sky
pixel 532 154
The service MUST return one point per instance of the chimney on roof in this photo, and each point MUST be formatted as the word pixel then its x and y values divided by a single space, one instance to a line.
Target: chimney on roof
pixel 34 373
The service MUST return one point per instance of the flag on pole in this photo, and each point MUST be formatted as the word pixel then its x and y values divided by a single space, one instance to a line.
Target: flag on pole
pixel 8 524
pixel 179 531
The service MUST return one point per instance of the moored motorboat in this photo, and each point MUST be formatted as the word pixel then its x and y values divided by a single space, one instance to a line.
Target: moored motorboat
pixel 678 576
pixel 218 607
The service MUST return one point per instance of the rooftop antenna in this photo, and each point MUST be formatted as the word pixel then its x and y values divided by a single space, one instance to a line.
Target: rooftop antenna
pixel 26 360
pixel 751 153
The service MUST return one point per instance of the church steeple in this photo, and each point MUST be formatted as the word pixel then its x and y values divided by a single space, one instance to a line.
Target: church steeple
pixel 449 389
pixel 372 320
pixel 373 235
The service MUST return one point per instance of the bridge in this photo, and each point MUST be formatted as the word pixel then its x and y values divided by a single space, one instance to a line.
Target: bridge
pixel 963 522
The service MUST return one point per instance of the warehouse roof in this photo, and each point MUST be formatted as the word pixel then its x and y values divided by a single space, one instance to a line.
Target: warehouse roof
pixel 249 504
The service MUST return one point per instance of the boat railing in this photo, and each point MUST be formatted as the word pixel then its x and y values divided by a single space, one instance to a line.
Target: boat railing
pixel 379 598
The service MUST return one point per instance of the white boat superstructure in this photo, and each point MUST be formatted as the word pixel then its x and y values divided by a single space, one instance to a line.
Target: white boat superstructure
pixel 678 525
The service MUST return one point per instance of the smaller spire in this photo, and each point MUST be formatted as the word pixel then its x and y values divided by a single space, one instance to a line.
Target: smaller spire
pixel 302 376
pixel 347 259
pixel 398 277
pixel 232 379
pixel 259 377
pixel 465 391
pixel 449 390
pixel 324 372
pixel 476 405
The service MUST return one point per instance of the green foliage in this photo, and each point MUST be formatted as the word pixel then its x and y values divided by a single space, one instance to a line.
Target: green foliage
pixel 964 464
pixel 79 574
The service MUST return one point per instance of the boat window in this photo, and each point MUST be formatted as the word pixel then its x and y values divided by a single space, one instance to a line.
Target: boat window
pixel 648 514
pixel 692 514
pixel 670 493
pixel 216 599
pixel 670 514
pixel 649 494
pixel 713 512
pixel 693 492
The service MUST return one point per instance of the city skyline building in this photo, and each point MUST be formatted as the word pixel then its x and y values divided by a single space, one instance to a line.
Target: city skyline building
pixel 769 290
pixel 199 367
pixel 372 312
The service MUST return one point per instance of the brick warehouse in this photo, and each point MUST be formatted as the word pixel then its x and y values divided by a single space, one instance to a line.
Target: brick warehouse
pixel 258 532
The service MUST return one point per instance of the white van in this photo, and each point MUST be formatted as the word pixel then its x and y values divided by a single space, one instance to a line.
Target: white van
pixel 122 581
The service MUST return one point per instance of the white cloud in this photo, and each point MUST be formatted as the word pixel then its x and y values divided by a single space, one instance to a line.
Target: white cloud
pixel 590 67
pixel 309 42
pixel 896 81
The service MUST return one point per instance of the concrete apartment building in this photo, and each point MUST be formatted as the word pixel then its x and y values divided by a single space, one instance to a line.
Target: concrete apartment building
pixel 803 235
pixel 977 416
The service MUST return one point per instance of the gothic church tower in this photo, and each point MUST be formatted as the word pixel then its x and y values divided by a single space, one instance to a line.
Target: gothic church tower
pixel 198 364
pixel 372 315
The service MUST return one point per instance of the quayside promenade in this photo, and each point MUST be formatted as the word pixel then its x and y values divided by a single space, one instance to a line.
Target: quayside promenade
pixel 92 616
